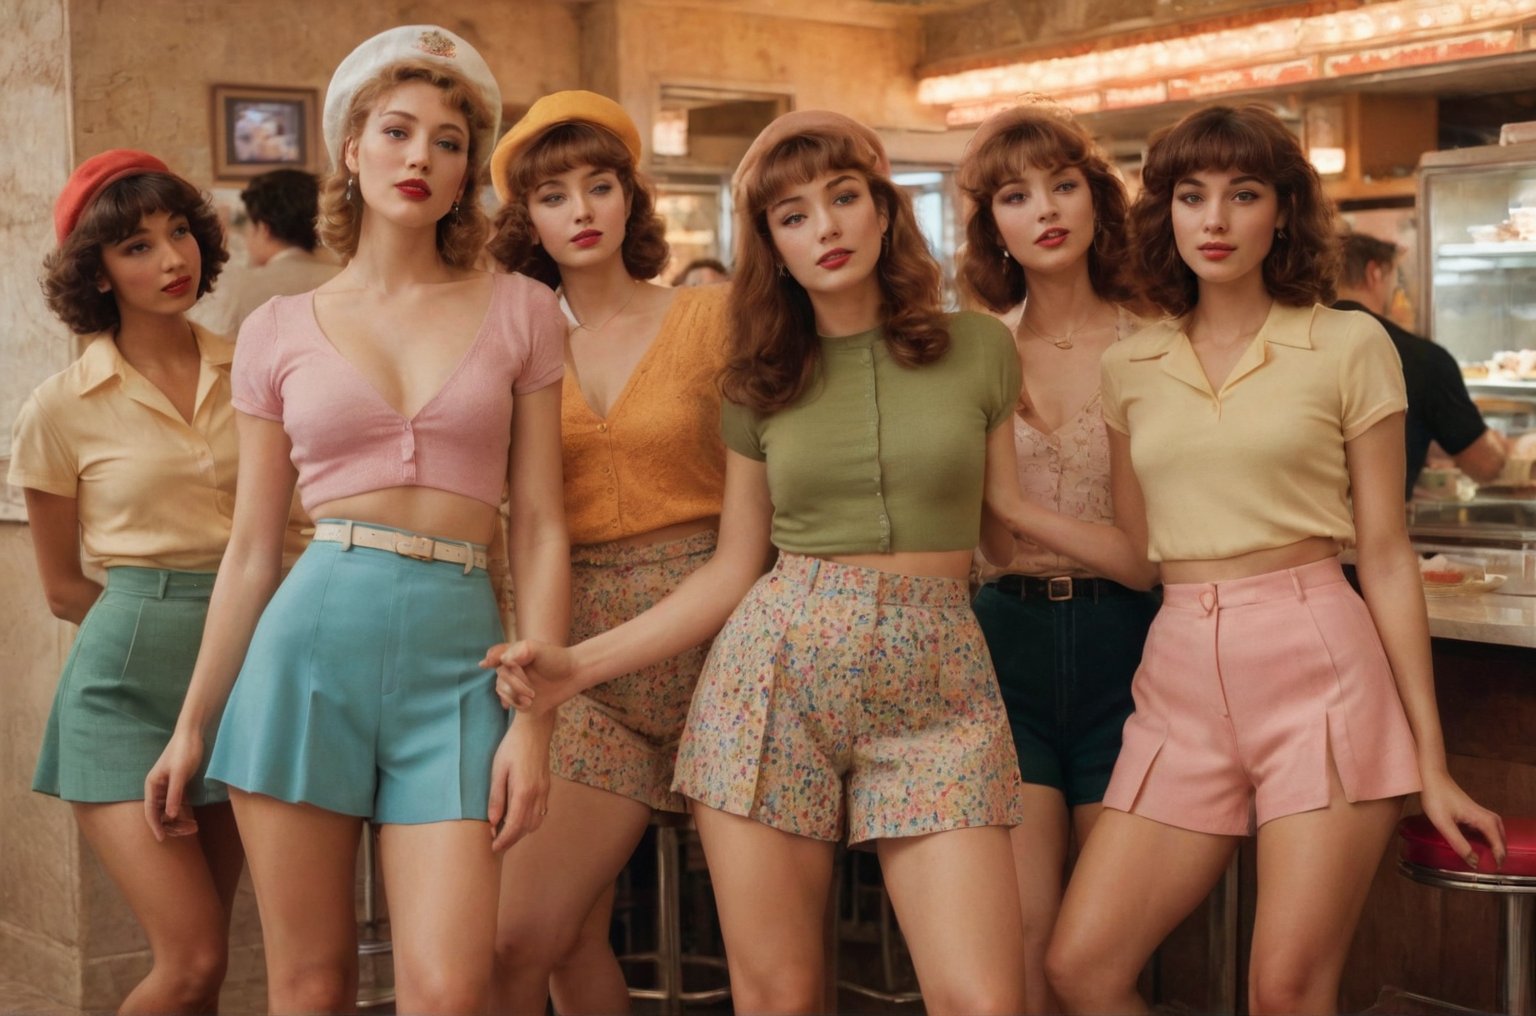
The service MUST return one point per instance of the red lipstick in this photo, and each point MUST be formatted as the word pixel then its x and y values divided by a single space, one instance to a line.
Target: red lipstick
pixel 835 258
pixel 587 238
pixel 178 287
pixel 1053 237
pixel 1217 251
pixel 415 189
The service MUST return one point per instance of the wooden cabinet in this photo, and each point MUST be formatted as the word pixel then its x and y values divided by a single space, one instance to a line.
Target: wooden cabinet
pixel 1382 137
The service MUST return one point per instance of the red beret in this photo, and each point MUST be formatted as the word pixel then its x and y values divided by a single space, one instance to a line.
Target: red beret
pixel 92 177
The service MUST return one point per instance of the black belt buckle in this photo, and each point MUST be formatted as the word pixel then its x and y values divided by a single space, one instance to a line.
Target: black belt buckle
pixel 1058 588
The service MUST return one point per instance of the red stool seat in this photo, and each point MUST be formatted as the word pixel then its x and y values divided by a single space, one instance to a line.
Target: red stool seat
pixel 1419 843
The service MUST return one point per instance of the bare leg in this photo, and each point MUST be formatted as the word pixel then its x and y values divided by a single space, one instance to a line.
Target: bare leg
pixel 440 878
pixel 962 926
pixel 1084 817
pixel 1039 845
pixel 182 903
pixel 1135 880
pixel 303 863
pixel 1315 871
pixel 551 882
pixel 771 888
pixel 589 979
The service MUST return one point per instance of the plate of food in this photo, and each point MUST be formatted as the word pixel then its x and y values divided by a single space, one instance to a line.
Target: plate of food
pixel 1446 576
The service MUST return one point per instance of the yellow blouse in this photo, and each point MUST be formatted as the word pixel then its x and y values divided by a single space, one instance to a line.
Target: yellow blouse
pixel 152 490
pixel 1258 463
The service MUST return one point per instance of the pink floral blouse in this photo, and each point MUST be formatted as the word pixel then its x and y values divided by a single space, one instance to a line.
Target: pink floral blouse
pixel 1066 470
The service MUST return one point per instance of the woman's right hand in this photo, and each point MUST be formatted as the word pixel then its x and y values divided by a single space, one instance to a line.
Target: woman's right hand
pixel 165 808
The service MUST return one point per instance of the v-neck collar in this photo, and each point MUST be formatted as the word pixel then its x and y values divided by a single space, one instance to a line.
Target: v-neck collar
pixel 1283 326
pixel 469 352
pixel 574 376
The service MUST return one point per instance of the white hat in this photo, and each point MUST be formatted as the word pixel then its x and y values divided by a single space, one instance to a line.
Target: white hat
pixel 414 43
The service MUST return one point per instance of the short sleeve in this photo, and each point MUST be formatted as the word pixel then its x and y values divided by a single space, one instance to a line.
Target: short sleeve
pixel 253 379
pixel 1109 397
pixel 546 326
pixel 1371 385
pixel 41 456
pixel 739 428
pixel 1448 411
pixel 1001 368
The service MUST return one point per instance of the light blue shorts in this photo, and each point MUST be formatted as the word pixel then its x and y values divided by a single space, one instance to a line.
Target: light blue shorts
pixel 361 692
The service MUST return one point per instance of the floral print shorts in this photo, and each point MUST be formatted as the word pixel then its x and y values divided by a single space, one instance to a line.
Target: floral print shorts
pixel 621 736
pixel 846 699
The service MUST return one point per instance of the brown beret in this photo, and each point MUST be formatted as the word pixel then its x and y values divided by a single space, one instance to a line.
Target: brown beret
pixel 806 121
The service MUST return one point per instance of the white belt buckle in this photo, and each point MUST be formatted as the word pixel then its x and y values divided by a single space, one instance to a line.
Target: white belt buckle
pixel 412 545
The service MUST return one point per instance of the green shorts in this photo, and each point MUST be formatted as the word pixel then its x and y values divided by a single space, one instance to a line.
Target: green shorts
pixel 122 688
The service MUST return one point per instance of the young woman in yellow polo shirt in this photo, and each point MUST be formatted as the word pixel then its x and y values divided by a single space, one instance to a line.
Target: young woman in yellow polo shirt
pixel 127 460
pixel 1254 433
pixel 1045 247
pixel 849 693
pixel 643 471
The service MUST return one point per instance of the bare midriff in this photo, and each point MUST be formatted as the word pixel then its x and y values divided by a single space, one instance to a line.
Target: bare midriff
pixel 1258 562
pixel 668 534
pixel 935 564
pixel 424 510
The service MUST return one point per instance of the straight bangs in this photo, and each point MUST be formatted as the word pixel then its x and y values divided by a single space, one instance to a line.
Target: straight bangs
pixel 569 146
pixel 798 161
pixel 1042 144
pixel 116 214
pixel 1220 144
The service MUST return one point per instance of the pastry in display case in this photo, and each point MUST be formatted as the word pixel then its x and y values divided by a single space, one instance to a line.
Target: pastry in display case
pixel 1477 298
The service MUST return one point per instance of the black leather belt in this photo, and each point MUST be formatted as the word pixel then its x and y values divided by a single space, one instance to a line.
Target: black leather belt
pixel 1059 588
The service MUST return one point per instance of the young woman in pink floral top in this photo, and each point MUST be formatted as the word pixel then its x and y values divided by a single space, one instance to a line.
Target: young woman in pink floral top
pixel 1048 220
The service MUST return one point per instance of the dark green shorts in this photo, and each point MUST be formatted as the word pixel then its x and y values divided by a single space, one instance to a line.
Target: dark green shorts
pixel 1065 669
pixel 122 688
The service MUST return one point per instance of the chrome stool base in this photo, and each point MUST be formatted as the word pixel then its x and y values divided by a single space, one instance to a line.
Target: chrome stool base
pixel 375 952
pixel 668 957
pixel 1517 926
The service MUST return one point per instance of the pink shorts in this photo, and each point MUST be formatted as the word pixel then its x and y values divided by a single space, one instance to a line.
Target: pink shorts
pixel 1246 689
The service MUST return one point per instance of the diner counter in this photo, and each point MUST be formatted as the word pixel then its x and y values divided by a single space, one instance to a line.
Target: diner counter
pixel 1493 618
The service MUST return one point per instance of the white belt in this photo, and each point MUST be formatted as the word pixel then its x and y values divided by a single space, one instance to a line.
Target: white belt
pixel 422 548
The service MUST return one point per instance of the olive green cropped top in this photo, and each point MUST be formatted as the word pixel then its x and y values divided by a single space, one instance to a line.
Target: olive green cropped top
pixel 875 457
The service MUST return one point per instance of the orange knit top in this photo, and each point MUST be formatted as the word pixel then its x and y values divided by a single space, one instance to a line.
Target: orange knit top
pixel 656 460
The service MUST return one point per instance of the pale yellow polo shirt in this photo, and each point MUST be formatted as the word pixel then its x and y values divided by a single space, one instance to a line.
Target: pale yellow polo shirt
pixel 1259 463
pixel 151 489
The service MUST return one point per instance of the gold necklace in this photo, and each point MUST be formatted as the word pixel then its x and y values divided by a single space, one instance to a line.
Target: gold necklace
pixel 580 324
pixel 1059 341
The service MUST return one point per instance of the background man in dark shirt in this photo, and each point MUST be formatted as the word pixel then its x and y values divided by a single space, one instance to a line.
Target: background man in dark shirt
pixel 1439 408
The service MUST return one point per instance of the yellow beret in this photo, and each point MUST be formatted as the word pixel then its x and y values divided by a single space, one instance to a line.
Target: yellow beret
pixel 574 106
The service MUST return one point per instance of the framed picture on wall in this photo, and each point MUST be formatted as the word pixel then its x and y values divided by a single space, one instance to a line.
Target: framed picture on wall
pixel 257 129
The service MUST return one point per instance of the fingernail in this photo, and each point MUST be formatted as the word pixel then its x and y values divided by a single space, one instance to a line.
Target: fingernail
pixel 1472 860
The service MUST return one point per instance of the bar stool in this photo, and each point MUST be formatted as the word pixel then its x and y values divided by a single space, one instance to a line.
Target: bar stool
pixel 668 957
pixel 1424 856
pixel 885 931
pixel 375 952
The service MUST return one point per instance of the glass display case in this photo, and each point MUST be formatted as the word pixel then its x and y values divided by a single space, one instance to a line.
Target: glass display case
pixel 1477 298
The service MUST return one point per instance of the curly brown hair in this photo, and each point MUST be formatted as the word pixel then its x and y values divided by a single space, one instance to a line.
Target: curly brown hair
pixel 460 234
pixel 73 272
pixel 773 346
pixel 1043 139
pixel 558 150
pixel 1302 265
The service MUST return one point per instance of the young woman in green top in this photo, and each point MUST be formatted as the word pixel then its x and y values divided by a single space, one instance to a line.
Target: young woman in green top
pixel 850 689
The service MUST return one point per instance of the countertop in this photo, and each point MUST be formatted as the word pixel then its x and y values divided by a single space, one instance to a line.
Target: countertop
pixel 1497 618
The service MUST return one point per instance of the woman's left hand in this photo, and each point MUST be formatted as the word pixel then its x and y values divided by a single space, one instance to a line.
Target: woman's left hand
pixel 520 780
pixel 1449 808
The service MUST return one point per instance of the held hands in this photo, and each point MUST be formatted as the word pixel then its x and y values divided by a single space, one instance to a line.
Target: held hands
pixel 165 808
pixel 531 677
pixel 1449 808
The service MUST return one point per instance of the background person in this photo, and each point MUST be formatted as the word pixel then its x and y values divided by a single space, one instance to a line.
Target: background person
pixel 1439 408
